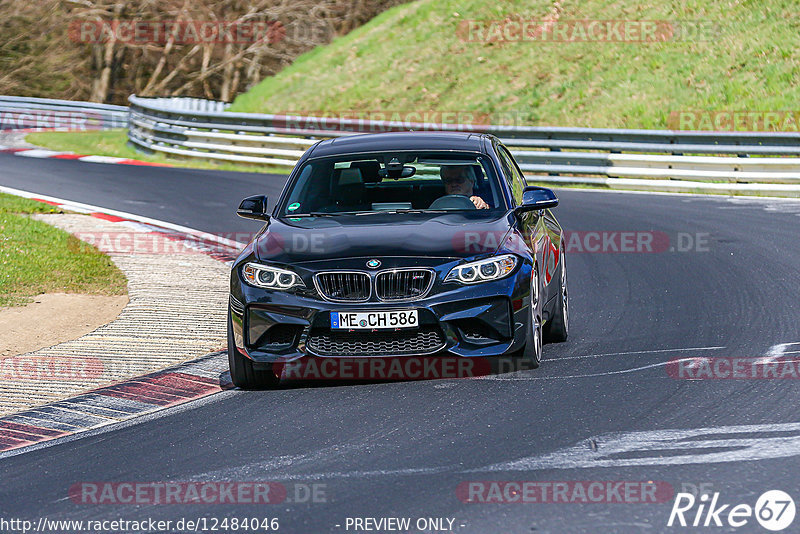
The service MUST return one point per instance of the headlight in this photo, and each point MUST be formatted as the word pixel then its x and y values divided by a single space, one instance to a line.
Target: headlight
pixel 476 272
pixel 271 277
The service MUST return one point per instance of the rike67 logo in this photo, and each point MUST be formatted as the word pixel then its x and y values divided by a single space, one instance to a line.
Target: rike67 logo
pixel 774 510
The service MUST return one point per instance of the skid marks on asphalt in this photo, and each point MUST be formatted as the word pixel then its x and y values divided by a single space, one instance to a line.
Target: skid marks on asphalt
pixel 733 443
pixel 772 205
pixel 664 447
pixel 690 356
pixel 600 361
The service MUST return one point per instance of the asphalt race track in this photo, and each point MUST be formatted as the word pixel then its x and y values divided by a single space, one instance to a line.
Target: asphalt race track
pixel 201 199
pixel 602 407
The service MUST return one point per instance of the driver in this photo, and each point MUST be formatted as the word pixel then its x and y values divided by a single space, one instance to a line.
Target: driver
pixel 459 180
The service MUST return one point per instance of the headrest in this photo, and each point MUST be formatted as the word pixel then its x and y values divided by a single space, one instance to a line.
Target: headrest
pixel 350 176
pixel 369 170
pixel 471 171
pixel 477 172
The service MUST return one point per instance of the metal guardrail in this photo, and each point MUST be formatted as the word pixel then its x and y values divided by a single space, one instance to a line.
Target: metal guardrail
pixel 652 159
pixel 755 162
pixel 23 113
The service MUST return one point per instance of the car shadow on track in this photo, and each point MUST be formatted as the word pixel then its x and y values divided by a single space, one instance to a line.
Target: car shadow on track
pixel 338 372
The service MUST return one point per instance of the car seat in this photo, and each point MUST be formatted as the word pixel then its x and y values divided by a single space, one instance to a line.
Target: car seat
pixel 349 192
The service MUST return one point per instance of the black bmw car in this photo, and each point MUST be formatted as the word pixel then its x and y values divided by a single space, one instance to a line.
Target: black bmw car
pixel 398 245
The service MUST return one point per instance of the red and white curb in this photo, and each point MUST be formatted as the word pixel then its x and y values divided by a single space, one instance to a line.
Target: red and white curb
pixel 133 397
pixel 116 403
pixel 217 247
pixel 43 153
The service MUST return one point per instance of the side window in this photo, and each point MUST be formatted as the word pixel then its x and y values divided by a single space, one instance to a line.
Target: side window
pixel 515 179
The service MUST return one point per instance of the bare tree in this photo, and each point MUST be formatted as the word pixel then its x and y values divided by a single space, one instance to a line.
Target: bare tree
pixel 90 49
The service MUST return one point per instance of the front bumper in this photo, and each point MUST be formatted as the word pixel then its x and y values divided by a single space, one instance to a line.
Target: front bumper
pixel 488 319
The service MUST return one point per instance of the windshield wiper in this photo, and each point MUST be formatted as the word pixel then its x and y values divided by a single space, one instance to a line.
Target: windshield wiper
pixel 376 212
pixel 421 211
pixel 317 214
pixel 373 212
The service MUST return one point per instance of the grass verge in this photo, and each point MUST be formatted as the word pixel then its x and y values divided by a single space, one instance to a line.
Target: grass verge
pixel 416 58
pixel 115 143
pixel 37 258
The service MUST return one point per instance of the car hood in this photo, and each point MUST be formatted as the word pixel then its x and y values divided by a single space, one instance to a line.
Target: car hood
pixel 451 235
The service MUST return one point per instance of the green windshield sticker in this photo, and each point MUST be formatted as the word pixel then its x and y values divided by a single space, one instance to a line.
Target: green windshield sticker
pixel 293 206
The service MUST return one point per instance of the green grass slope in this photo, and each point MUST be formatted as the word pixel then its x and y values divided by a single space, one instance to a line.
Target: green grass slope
pixel 38 258
pixel 413 58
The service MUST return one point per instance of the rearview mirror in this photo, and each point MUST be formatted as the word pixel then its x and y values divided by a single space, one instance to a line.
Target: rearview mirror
pixel 254 207
pixel 402 171
pixel 537 198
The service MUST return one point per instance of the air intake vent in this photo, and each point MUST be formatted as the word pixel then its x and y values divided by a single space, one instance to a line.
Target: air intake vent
pixel 425 340
pixel 403 284
pixel 236 306
pixel 344 286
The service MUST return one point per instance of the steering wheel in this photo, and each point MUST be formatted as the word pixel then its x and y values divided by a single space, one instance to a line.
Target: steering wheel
pixel 452 202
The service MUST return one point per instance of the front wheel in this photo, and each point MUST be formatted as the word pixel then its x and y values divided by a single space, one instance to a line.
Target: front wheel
pixel 533 342
pixel 243 374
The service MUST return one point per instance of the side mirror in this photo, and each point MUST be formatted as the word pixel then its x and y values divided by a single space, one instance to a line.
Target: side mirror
pixel 537 198
pixel 254 207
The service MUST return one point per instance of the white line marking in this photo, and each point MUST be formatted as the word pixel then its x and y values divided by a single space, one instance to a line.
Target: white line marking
pixel 101 159
pixel 41 153
pixel 76 209
pixel 702 444
pixel 532 178
pixel 776 351
pixel 359 474
pixel 69 204
pixel 632 352
pixel 612 445
pixel 137 226
pixel 697 362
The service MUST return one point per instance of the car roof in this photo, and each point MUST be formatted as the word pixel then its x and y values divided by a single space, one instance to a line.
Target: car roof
pixel 386 142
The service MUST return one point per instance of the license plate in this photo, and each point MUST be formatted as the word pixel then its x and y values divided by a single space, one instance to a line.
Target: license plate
pixel 374 320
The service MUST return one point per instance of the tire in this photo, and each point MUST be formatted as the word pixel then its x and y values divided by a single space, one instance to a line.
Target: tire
pixel 557 328
pixel 533 342
pixel 243 375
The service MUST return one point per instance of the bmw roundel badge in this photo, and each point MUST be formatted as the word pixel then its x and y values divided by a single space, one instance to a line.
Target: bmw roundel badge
pixel 374 264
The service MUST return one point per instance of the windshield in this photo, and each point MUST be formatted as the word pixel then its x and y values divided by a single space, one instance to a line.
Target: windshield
pixel 393 183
